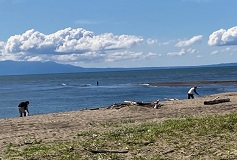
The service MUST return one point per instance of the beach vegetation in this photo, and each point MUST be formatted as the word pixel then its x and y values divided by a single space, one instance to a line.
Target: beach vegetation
pixel 209 137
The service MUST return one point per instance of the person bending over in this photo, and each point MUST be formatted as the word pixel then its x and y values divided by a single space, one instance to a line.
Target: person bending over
pixel 192 91
pixel 23 108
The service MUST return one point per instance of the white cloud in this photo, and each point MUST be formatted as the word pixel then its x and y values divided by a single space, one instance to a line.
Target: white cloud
pixel 118 56
pixel 214 52
pixel 224 51
pixel 68 41
pixel 2 44
pixel 99 57
pixel 183 52
pixel 193 40
pixel 83 58
pixel 151 41
pixel 227 49
pixel 70 46
pixel 223 37
pixel 192 51
pixel 180 53
pixel 166 43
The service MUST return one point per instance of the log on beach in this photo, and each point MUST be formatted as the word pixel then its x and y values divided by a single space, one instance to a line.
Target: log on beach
pixel 216 101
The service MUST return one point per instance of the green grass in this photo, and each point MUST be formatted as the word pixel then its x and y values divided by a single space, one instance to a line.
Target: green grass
pixel 212 137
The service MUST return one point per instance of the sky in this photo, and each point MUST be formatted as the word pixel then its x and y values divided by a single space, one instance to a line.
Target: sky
pixel 119 33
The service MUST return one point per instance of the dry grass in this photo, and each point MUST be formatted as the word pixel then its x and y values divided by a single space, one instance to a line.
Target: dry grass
pixel 183 129
pixel 211 137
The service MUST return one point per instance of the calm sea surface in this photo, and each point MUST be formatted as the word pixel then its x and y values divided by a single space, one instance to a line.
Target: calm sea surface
pixel 75 91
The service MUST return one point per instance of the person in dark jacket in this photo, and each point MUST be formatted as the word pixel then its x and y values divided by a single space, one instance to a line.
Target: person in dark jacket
pixel 23 108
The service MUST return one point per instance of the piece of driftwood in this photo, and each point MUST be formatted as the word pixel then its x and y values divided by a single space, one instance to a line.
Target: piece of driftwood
pixel 216 101
pixel 155 104
pixel 170 151
pixel 106 151
pixel 94 108
pixel 117 106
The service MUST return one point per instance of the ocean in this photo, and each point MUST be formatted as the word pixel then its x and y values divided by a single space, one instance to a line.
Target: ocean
pixel 52 93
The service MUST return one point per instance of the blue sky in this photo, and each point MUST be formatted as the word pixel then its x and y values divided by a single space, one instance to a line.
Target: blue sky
pixel 119 33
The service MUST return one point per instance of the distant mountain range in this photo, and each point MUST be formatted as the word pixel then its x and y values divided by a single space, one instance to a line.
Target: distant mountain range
pixel 21 68
pixel 18 68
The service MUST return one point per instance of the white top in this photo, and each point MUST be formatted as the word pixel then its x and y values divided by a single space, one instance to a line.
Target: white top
pixel 191 91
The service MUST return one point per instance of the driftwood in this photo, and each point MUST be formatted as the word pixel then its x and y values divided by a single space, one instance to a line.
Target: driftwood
pixel 117 106
pixel 167 152
pixel 94 108
pixel 155 104
pixel 216 101
pixel 106 151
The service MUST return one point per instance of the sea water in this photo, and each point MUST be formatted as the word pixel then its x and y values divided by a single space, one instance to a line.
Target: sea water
pixel 52 93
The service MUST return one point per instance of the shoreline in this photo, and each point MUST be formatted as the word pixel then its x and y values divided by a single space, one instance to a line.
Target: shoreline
pixel 65 125
pixel 187 83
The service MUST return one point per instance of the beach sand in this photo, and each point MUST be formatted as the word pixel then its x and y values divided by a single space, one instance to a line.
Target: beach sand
pixel 66 125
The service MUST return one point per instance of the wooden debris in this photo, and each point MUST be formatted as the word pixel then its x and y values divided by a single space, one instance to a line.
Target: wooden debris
pixel 155 104
pixel 216 101
pixel 94 108
pixel 130 102
pixel 170 151
pixel 117 106
pixel 106 151
pixel 171 99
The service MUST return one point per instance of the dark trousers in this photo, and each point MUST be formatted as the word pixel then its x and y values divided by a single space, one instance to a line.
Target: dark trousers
pixel 190 96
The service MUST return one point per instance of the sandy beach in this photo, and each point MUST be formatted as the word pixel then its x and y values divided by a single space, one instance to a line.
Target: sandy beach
pixel 65 126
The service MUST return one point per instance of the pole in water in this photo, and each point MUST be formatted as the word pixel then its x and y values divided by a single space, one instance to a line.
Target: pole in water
pixel 97 83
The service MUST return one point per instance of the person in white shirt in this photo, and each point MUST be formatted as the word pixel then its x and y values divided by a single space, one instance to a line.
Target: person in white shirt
pixel 192 91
